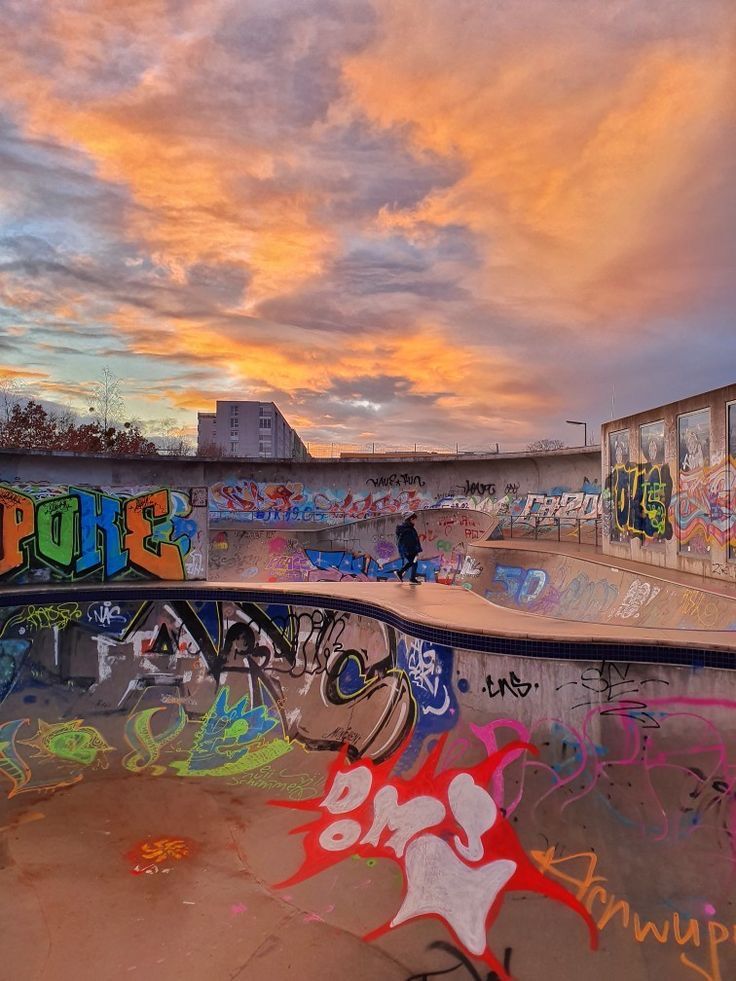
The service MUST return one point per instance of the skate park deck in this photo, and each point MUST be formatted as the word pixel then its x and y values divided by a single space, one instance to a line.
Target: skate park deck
pixel 147 730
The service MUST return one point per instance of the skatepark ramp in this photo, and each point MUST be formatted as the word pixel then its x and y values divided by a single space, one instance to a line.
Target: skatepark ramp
pixel 582 585
pixel 363 780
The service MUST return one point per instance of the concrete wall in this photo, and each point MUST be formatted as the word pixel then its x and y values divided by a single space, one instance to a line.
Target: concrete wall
pixel 247 497
pixel 521 473
pixel 358 550
pixel 605 821
pixel 571 587
pixel 53 532
pixel 671 479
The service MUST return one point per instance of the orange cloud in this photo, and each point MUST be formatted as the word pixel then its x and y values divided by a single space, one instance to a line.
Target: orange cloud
pixel 577 148
pixel 189 200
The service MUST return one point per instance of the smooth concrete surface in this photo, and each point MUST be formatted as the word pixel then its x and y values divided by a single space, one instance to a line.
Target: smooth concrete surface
pixel 672 507
pixel 570 584
pixel 694 579
pixel 439 606
pixel 144 741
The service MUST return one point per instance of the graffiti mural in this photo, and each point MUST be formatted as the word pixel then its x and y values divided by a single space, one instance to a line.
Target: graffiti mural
pixel 457 853
pixel 73 533
pixel 693 504
pixel 369 552
pixel 640 499
pixel 461 781
pixel 567 505
pixel 248 501
pixel 618 457
pixel 703 510
pixel 651 453
pixel 208 689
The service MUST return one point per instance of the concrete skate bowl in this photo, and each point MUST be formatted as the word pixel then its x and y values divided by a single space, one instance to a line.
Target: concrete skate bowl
pixel 364 549
pixel 267 783
pixel 575 587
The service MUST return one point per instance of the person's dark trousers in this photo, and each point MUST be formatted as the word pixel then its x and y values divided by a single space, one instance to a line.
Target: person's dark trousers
pixel 409 564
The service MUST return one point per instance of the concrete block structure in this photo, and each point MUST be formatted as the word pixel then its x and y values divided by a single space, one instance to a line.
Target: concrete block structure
pixel 249 430
pixel 670 477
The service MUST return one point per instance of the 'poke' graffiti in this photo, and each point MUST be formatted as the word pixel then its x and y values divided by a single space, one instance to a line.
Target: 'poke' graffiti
pixel 91 533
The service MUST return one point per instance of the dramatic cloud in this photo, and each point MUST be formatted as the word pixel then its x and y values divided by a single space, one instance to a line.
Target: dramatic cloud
pixel 463 221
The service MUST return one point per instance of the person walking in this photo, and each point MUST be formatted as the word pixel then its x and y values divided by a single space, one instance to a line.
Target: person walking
pixel 407 540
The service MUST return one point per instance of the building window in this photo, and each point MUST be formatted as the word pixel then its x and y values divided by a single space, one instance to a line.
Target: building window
pixel 233 432
pixel 234 409
pixel 265 423
pixel 234 421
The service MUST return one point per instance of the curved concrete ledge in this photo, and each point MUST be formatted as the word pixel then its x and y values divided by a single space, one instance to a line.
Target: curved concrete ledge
pixel 561 582
pixel 440 614
pixel 509 767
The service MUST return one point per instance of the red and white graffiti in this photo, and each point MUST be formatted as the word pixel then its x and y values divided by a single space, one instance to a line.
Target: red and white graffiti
pixel 458 873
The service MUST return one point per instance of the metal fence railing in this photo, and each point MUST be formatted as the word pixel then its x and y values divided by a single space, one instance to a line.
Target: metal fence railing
pixel 584 531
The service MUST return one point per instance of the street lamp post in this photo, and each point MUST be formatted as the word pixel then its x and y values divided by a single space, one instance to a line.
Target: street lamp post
pixel 574 422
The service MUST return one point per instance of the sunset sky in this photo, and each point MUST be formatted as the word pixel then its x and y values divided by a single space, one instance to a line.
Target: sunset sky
pixel 402 220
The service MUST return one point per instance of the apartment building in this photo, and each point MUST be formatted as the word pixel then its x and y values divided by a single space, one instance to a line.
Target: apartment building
pixel 249 429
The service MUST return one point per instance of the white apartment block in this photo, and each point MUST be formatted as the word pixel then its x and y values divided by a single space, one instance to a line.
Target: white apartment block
pixel 250 430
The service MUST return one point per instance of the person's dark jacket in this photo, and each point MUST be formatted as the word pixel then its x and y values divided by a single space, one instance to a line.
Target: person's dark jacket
pixel 407 540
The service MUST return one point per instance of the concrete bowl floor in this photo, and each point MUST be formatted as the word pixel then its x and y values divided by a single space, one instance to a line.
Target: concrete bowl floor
pixel 82 902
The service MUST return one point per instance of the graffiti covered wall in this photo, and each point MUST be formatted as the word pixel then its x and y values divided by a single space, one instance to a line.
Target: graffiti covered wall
pixel 570 588
pixel 359 551
pixel 476 781
pixel 63 533
pixel 671 500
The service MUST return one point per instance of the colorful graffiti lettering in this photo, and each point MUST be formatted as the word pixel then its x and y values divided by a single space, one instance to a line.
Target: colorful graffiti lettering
pixel 640 496
pixel 42 617
pixel 293 502
pixel 349 565
pixel 523 585
pixel 581 871
pixel 566 505
pixel 89 533
pixel 459 873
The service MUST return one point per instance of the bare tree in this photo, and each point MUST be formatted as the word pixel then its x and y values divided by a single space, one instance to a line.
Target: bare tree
pixel 542 445
pixel 108 402
pixel 176 440
pixel 12 391
pixel 211 451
